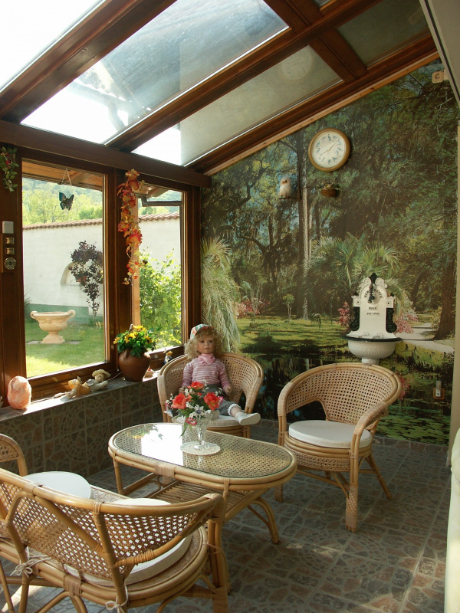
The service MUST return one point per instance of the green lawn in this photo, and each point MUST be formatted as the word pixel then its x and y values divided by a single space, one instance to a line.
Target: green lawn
pixel 84 344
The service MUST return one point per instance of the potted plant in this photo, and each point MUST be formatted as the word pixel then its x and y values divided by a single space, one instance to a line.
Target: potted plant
pixel 133 359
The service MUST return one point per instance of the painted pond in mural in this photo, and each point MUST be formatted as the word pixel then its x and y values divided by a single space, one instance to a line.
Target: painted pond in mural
pixel 415 416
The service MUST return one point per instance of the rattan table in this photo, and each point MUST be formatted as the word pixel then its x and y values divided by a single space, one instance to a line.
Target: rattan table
pixel 241 471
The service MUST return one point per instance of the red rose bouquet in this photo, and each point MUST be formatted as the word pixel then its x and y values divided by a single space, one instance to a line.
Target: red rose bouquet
pixel 194 404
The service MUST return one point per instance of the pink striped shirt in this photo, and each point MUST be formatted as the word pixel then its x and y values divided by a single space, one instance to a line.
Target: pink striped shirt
pixel 211 374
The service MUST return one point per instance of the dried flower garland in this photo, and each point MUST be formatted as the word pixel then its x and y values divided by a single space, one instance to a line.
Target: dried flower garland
pixel 8 165
pixel 129 224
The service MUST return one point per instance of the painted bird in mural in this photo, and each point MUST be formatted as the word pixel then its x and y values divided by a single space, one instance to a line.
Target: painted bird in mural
pixel 285 187
pixel 65 202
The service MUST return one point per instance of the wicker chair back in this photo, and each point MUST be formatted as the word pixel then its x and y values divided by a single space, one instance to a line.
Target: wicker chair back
pixel 346 391
pixel 103 540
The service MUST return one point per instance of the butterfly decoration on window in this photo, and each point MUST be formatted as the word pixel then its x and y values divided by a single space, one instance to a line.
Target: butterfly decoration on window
pixel 65 202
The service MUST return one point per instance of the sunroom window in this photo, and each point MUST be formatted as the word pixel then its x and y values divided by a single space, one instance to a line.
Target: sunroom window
pixel 158 293
pixel 63 255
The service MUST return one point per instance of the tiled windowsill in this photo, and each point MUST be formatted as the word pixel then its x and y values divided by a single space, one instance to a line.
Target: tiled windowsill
pixel 73 434
pixel 7 413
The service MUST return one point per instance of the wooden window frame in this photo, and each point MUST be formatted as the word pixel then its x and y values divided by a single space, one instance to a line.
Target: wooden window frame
pixel 117 296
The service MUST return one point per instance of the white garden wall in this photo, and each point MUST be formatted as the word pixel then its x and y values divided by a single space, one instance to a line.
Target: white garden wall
pixel 48 247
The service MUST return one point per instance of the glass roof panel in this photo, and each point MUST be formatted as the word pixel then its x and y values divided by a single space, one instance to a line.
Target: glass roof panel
pixel 182 46
pixel 293 80
pixel 384 29
pixel 30 27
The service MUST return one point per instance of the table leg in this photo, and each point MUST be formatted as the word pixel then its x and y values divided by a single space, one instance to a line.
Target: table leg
pixel 270 522
pixel 116 467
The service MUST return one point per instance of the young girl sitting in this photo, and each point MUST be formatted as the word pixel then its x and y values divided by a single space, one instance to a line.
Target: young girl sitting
pixel 206 368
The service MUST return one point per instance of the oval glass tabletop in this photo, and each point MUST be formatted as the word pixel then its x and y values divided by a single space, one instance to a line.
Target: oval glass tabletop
pixel 238 457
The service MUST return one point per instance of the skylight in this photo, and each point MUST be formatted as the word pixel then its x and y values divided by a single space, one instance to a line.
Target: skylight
pixel 293 80
pixel 30 27
pixel 185 44
pixel 384 28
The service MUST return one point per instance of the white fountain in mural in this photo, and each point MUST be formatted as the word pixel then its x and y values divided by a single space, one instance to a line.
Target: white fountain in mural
pixel 372 335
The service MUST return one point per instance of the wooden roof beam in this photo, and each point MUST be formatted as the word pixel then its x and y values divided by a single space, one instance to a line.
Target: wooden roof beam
pixel 269 54
pixel 103 30
pixel 381 73
pixel 67 146
pixel 331 46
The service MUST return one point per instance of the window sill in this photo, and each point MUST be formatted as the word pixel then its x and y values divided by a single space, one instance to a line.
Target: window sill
pixel 43 404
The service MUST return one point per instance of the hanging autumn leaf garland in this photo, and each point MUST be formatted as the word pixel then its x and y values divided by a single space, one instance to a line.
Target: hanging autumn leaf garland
pixel 129 224
pixel 8 164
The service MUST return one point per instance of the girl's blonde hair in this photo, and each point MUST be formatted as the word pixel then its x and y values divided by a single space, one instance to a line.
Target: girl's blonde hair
pixel 191 347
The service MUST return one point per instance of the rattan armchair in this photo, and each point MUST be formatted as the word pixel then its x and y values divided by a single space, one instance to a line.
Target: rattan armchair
pixel 354 397
pixel 245 375
pixel 90 549
pixel 10 454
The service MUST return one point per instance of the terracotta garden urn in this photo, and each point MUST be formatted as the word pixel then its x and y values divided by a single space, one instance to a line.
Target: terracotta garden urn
pixel 132 367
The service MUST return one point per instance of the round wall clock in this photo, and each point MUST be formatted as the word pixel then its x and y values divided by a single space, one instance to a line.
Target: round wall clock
pixel 329 149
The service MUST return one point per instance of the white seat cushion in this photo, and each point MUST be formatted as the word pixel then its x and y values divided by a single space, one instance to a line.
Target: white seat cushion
pixel 144 570
pixel 327 433
pixel 68 483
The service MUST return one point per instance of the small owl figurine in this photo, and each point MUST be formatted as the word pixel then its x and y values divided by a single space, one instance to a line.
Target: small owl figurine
pixel 285 187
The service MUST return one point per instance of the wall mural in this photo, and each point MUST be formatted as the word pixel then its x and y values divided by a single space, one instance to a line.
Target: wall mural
pixel 286 245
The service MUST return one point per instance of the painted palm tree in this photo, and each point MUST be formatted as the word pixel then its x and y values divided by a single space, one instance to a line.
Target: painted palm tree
pixel 340 265
pixel 219 291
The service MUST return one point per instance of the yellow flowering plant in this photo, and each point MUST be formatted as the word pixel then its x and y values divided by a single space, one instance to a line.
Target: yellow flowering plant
pixel 137 340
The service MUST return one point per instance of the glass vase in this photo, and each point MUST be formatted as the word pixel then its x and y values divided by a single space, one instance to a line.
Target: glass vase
pixel 200 446
pixel 201 425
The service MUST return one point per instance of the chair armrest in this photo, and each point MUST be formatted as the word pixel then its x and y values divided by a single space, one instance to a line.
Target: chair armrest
pixel 367 418
pixel 11 451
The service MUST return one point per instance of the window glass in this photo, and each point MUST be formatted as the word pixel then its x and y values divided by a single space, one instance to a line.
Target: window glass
pixel 384 29
pixel 160 284
pixel 30 27
pixel 63 267
pixel 182 46
pixel 292 81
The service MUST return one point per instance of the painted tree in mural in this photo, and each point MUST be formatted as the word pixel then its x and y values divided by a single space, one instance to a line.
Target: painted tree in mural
pixel 296 143
pixel 219 292
pixel 258 225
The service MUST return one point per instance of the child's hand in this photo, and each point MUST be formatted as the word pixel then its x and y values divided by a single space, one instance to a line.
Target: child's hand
pixel 228 389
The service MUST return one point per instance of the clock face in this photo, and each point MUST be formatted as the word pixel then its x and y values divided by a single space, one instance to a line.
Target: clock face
pixel 329 149
pixel 377 296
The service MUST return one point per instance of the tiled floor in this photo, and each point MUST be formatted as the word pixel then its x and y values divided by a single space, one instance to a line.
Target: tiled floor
pixel 393 564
